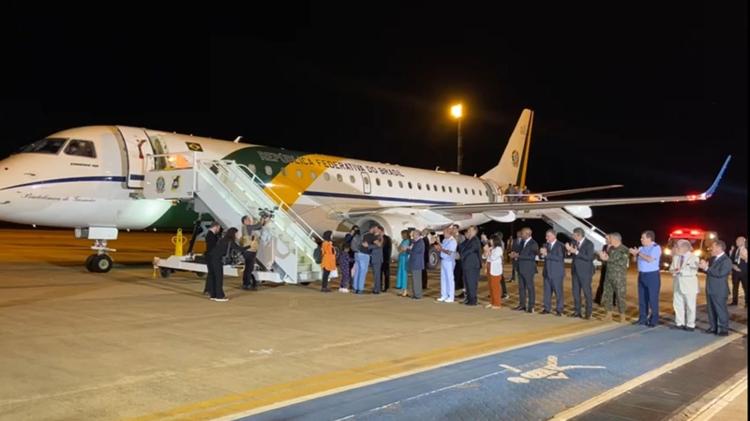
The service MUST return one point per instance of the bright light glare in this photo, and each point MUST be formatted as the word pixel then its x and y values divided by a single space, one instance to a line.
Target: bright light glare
pixel 457 111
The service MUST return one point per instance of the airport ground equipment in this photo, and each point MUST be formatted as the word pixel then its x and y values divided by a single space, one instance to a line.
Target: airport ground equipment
pixel 227 191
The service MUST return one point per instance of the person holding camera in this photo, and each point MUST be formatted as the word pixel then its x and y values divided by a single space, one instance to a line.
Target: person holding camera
pixel 249 241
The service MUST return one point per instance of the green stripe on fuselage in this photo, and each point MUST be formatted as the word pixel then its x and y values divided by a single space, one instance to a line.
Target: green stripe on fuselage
pixel 182 215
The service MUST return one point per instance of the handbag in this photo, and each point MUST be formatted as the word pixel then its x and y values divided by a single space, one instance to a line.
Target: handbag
pixel 334 274
pixel 226 259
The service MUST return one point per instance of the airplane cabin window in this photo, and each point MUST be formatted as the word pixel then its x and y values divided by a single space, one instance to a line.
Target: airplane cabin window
pixel 419 186
pixel 49 145
pixel 409 184
pixel 327 176
pixel 313 175
pixel 83 148
pixel 450 189
pixel 443 189
pixel 466 191
pixel 480 192
pixel 401 184
pixel 268 170
pixel 473 192
pixel 377 181
pixel 351 179
pixel 252 168
pixel 283 172
pixel 366 180
pixel 427 186
pixel 390 183
pixel 339 178
pixel 434 187
pixel 299 173
pixel 458 190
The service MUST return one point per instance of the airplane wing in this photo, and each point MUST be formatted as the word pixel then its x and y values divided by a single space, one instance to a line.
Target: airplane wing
pixel 548 204
pixel 578 190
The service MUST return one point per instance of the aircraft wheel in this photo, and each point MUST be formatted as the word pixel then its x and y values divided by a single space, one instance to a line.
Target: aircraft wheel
pixel 433 258
pixel 165 272
pixel 101 263
pixel 89 266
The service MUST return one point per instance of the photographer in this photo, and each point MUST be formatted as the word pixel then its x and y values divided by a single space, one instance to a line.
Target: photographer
pixel 249 242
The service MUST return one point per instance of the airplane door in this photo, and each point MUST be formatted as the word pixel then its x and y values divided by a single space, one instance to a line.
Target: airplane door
pixel 366 185
pixel 137 147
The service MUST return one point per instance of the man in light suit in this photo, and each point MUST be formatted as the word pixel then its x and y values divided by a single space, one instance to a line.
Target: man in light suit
pixel 739 270
pixel 582 251
pixel 684 270
pixel 717 272
pixel 554 271
pixel 526 270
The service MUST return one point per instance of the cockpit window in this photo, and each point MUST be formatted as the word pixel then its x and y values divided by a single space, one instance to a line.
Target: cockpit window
pixel 81 148
pixel 49 145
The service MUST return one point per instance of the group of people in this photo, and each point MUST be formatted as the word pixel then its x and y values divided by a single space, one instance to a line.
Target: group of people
pixel 220 248
pixel 463 254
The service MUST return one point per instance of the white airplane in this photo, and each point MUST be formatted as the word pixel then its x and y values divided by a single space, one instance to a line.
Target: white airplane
pixel 92 179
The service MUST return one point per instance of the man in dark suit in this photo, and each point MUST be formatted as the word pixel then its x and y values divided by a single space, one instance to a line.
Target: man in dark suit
pixel 582 251
pixel 386 267
pixel 554 271
pixel 416 263
pixel 471 263
pixel 516 247
pixel 212 237
pixel 526 259
pixel 739 270
pixel 717 272
pixel 427 245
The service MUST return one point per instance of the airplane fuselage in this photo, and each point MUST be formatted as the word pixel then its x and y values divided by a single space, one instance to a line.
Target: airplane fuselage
pixel 63 187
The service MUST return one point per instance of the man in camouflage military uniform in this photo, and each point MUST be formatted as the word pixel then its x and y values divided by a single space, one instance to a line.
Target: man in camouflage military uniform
pixel 618 259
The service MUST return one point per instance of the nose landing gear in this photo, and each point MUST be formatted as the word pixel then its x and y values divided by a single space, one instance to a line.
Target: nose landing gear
pixel 99 263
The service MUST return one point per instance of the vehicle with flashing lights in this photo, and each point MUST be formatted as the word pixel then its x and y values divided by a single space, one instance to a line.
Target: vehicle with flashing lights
pixel 700 239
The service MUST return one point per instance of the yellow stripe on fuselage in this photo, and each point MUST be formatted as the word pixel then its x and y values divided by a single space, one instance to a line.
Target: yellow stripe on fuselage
pixel 295 178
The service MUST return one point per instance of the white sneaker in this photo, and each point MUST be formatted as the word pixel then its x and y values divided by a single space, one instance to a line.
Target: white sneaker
pixel 220 299
pixel 344 290
pixel 440 300
pixel 449 301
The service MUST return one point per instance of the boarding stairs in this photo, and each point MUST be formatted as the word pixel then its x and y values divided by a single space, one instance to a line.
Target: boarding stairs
pixel 228 190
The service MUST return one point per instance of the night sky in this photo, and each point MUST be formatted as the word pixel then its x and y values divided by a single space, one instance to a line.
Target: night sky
pixel 652 97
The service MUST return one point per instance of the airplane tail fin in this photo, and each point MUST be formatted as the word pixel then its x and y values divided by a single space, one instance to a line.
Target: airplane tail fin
pixel 509 169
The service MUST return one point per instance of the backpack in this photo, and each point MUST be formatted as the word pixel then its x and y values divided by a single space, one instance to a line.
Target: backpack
pixel 318 255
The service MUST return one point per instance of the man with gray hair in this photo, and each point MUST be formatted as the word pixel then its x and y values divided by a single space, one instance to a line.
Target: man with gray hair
pixel 684 270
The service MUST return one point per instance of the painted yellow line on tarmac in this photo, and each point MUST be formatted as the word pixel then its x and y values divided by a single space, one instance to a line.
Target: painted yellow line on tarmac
pixel 245 402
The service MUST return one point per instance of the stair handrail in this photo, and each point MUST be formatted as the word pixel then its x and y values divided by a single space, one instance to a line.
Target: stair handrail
pixel 229 165
pixel 282 205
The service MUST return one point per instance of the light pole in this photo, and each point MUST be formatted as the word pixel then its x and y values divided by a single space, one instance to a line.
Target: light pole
pixel 457 112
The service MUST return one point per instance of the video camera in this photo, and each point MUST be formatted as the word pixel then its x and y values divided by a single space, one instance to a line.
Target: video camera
pixel 267 213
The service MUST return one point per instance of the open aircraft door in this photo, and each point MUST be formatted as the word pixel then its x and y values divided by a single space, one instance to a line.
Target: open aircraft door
pixel 137 148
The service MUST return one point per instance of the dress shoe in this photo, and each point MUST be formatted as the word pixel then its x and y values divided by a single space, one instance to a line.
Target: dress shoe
pixel 530 311
pixel 675 327
pixel 545 312
pixel 689 329
pixel 733 303
pixel 709 331
pixel 558 314
pixel 723 333
pixel 587 317
pixel 575 315
pixel 519 308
